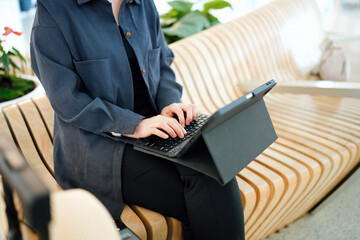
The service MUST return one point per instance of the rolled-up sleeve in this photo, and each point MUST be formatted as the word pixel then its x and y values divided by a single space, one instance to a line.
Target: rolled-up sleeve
pixel 169 90
pixel 53 64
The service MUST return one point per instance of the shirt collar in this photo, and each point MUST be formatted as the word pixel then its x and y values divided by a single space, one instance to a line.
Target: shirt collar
pixel 81 2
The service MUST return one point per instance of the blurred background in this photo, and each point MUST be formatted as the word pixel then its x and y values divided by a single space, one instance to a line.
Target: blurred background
pixel 341 18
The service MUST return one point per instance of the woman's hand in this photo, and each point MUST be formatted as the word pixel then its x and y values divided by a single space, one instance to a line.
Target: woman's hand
pixel 154 125
pixel 179 109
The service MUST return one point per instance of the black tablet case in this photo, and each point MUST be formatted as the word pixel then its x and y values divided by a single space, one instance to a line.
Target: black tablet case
pixel 224 150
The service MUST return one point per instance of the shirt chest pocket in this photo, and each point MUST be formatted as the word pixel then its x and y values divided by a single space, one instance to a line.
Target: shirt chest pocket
pixel 154 68
pixel 95 75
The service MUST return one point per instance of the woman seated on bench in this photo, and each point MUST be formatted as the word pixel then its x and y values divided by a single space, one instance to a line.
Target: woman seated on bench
pixel 112 75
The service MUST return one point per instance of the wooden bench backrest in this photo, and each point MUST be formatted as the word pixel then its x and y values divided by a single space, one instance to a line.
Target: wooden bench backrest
pixel 280 40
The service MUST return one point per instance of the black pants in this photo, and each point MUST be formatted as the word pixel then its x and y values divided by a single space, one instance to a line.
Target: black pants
pixel 206 209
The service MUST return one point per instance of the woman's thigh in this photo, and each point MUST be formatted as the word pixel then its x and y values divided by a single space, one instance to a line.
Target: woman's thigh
pixel 153 183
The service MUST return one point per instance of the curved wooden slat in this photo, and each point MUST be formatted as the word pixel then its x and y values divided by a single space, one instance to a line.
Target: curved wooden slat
pixel 26 145
pixel 132 221
pixel 27 233
pixel 290 184
pixel 333 156
pixel 183 73
pixel 277 187
pixel 38 132
pixel 217 45
pixel 155 223
pixel 210 73
pixel 293 160
pixel 46 111
pixel 197 88
pixel 174 229
pixel 5 131
pixel 248 195
pixel 262 191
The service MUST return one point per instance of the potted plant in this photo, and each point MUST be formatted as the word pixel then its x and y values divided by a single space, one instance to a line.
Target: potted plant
pixel 11 85
pixel 182 21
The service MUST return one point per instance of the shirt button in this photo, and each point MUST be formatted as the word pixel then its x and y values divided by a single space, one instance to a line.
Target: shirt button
pixel 128 34
pixel 143 71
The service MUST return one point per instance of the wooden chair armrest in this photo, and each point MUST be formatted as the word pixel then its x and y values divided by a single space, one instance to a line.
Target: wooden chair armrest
pixel 76 214
pixel 325 88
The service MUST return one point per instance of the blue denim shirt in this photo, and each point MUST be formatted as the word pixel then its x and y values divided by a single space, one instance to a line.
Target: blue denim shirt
pixel 78 55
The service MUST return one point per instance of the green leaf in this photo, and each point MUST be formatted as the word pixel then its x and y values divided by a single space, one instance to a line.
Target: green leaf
pixel 216 4
pixel 19 54
pixel 190 24
pixel 14 65
pixel 183 6
pixel 2 49
pixel 173 13
pixel 6 62
pixel 212 19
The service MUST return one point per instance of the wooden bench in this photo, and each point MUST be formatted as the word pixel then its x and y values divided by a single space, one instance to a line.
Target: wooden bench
pixel 319 136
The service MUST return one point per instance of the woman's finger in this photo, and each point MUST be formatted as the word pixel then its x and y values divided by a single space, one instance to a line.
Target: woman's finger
pixel 180 131
pixel 189 114
pixel 180 114
pixel 159 133
pixel 165 126
pixel 181 127
pixel 195 112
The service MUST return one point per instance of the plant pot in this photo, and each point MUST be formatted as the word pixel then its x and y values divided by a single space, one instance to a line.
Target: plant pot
pixel 36 91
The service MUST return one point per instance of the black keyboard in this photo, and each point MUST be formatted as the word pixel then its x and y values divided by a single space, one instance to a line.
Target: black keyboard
pixel 166 145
